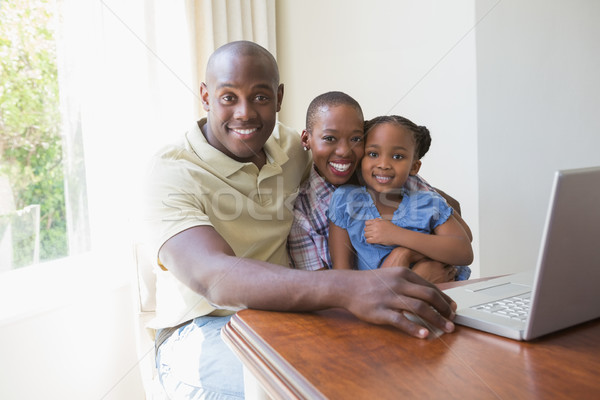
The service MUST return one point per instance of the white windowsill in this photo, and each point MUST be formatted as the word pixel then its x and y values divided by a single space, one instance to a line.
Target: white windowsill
pixel 33 290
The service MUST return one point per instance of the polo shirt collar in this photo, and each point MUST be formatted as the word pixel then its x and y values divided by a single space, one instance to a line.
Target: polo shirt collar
pixel 275 152
pixel 226 165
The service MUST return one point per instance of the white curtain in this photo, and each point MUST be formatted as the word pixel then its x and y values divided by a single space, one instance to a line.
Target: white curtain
pixel 216 22
pixel 133 76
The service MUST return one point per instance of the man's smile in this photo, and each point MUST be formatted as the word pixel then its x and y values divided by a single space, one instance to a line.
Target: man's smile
pixel 244 132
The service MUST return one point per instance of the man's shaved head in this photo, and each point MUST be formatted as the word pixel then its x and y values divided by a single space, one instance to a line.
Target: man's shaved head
pixel 235 50
pixel 241 96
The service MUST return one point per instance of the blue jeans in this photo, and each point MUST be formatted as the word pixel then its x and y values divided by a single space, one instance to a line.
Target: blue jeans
pixel 195 363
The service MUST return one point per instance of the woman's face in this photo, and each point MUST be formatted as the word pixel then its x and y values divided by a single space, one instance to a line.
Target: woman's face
pixel 336 142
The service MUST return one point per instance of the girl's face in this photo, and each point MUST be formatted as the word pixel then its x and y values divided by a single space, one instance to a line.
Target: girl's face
pixel 336 142
pixel 389 158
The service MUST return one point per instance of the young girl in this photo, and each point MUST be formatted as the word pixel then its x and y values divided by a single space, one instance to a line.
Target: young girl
pixel 367 223
pixel 334 135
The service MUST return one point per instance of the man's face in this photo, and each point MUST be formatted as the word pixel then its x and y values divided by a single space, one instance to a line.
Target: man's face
pixel 242 99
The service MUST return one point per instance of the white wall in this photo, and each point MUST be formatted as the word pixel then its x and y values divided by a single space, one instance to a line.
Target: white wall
pixel 538 101
pixel 509 89
pixel 415 59
pixel 67 332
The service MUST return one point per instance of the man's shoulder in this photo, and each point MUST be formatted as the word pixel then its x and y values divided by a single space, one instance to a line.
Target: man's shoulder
pixel 189 150
pixel 285 146
pixel 176 148
pixel 170 151
pixel 282 130
pixel 286 137
pixel 170 164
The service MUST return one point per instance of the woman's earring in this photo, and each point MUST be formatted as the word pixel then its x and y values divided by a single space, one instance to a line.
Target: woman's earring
pixel 305 148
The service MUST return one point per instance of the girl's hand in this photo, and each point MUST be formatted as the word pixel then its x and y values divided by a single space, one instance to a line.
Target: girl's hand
pixel 380 231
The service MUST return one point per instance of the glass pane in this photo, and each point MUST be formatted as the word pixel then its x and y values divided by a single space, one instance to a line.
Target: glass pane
pixel 34 214
pixel 20 238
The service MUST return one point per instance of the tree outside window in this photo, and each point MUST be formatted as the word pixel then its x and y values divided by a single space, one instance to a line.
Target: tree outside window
pixel 31 153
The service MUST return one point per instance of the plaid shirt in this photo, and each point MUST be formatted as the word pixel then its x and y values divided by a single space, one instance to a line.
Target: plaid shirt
pixel 307 241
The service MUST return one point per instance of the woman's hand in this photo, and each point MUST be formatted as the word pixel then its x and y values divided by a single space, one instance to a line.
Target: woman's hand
pixel 435 271
pixel 402 257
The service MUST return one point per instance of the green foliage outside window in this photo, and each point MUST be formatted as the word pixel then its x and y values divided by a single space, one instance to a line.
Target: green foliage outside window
pixel 30 144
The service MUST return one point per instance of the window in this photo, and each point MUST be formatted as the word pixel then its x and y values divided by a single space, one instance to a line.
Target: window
pixel 33 211
pixel 112 81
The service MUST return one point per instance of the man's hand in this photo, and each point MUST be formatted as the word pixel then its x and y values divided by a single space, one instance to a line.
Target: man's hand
pixel 380 296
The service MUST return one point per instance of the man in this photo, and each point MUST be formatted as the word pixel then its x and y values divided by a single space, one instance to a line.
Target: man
pixel 219 207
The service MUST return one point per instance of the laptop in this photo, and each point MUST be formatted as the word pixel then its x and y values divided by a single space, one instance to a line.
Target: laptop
pixel 562 290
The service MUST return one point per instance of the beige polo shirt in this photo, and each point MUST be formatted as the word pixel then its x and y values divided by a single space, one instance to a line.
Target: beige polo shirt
pixel 192 184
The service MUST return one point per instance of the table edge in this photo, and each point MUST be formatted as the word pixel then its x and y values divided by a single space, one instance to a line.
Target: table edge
pixel 284 380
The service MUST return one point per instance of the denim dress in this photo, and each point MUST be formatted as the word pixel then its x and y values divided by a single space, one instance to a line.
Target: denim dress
pixel 421 211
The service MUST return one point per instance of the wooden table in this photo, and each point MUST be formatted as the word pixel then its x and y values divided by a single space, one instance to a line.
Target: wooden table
pixel 331 354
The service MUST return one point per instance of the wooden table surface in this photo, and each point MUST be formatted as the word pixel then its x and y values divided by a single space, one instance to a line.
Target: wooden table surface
pixel 331 354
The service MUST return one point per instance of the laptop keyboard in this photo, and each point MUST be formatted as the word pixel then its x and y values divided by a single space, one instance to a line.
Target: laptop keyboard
pixel 516 307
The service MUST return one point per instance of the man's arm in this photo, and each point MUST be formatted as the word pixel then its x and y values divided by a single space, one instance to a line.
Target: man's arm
pixel 201 259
